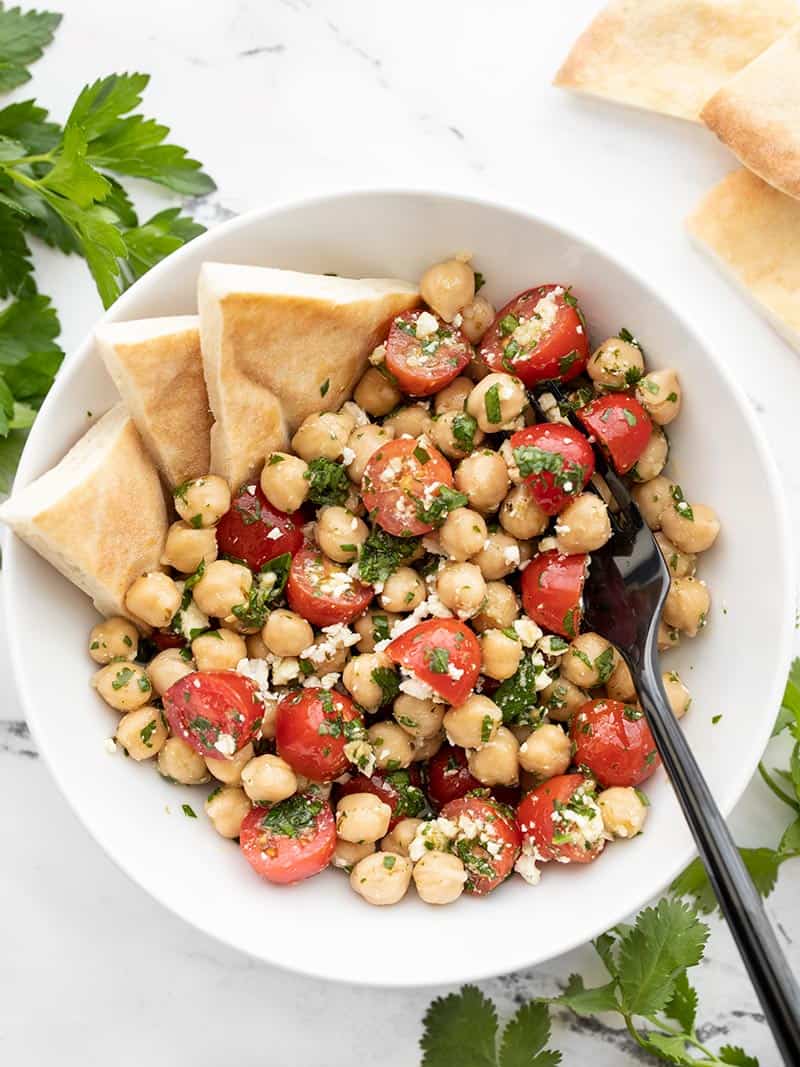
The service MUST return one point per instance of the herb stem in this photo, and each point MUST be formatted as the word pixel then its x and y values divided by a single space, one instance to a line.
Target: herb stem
pixel 776 789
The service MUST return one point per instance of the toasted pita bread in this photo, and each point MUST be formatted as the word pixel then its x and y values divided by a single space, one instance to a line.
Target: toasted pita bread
pixel 757 114
pixel 99 516
pixel 671 55
pixel 753 233
pixel 157 367
pixel 278 346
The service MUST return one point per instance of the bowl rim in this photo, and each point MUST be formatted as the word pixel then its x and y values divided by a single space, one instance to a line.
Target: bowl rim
pixel 519 956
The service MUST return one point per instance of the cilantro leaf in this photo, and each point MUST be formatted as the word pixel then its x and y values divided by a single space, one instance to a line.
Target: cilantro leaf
pixel 585 1001
pixel 382 554
pixel 460 1028
pixel 669 1047
pixel 23 37
pixel 682 1006
pixel 762 863
pixel 15 261
pixel 328 482
pixel 736 1056
pixel 524 1039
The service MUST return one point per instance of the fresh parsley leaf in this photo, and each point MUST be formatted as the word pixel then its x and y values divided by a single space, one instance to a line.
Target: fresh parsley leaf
pixel 517 696
pixel 388 681
pixel 155 239
pixel 438 660
pixel 265 592
pixel 188 811
pixel 480 281
pixel 328 482
pixel 491 402
pixel 464 429
pixel 291 817
pixel 382 554
pixel 460 1028
pixel 445 501
pixel 733 1054
pixel 411 801
pixel 23 37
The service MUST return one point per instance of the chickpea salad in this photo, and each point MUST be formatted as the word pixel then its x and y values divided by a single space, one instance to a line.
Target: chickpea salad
pixel 375 653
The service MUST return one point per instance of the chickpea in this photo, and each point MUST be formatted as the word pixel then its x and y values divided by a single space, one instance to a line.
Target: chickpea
pixel 500 653
pixel 419 718
pixel 680 564
pixel 521 516
pixel 653 460
pixel 694 534
pixel 181 763
pixel 227 807
pixel 284 482
pixel 616 364
pixel 653 498
pixel 382 878
pixel 659 393
pixel 498 556
pixel 678 695
pixel 463 533
pixel 268 778
pixel 588 662
pixel 285 633
pixel 413 420
pixel 256 649
pixel 562 698
pixel 374 626
pixel 452 430
pixel 364 442
pixel 583 525
pixel 497 401
pixel 476 318
pixel 687 605
pixel 461 588
pixel 623 810
pixel 546 752
pixel 668 637
pixel 187 547
pixel 439 877
pixel 323 436
pixel 113 639
pixel 500 608
pixel 333 661
pixel 427 747
pixel 142 732
pixel 223 587
pixel 620 683
pixel 377 393
pixel 123 686
pixel 218 650
pixel 167 668
pixel 447 287
pixel 453 397
pixel 402 591
pixel 473 723
pixel 230 770
pixel 393 747
pixel 359 679
pixel 347 853
pixel 362 817
pixel 202 501
pixel 483 476
pixel 399 839
pixel 339 534
pixel 496 762
pixel 154 598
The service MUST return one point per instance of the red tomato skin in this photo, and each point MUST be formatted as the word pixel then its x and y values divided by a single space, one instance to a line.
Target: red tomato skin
pixel 552 587
pixel 424 380
pixel 622 442
pixel 578 458
pixel 217 697
pixel 381 787
pixel 321 609
pixel 504 829
pixel 614 742
pixel 535 820
pixel 405 488
pixel 552 357
pixel 319 756
pixel 163 640
pixel 412 650
pixel 242 531
pixel 284 860
pixel 448 775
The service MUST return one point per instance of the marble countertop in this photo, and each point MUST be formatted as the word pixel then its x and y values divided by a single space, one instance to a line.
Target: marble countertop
pixel 282 98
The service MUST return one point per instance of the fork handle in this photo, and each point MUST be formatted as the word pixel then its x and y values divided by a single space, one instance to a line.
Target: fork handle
pixel 738 898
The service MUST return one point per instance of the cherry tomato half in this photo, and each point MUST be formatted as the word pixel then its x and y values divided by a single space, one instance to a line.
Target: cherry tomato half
pixel 547 820
pixel 311 731
pixel 448 775
pixel 322 591
pixel 216 712
pixel 539 335
pixel 401 790
pixel 424 365
pixel 164 639
pixel 490 856
pixel 443 653
pixel 620 424
pixel 614 743
pixel 244 531
pixel 401 481
pixel 552 587
pixel 289 841
pixel 556 462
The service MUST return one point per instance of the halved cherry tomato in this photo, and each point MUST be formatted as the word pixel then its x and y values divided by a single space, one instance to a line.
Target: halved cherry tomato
pixel 216 712
pixel 164 639
pixel 448 775
pixel 401 480
pixel 552 587
pixel 613 741
pixel 289 841
pixel 312 729
pixel 556 462
pixel 486 866
pixel 424 365
pixel 620 424
pixel 401 790
pixel 443 653
pixel 322 591
pixel 539 335
pixel 244 531
pixel 547 820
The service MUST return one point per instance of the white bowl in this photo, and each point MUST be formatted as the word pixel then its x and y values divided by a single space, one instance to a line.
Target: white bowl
pixel 736 668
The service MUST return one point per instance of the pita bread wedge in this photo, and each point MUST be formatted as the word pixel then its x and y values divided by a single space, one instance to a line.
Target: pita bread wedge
pixel 278 346
pixel 753 233
pixel 671 55
pixel 99 515
pixel 757 114
pixel 157 367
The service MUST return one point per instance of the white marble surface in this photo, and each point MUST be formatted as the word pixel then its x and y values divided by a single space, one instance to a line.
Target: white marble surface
pixel 281 98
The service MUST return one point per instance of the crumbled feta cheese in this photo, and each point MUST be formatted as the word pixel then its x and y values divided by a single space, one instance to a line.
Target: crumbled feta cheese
pixel 258 671
pixel 348 455
pixel 285 670
pixel 426 325
pixel 361 755
pixel 527 631
pixel 433 836
pixel 547 544
pixel 356 413
pixel 188 619
pixel 526 867
pixel 455 672
pixel 458 318
pixel 511 555
pixel 337 636
pixel 226 744
pixel 110 746
pixel 378 355
pixel 274 534
pixel 415 687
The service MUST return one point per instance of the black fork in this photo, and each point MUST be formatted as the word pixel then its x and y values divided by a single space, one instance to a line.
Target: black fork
pixel 625 591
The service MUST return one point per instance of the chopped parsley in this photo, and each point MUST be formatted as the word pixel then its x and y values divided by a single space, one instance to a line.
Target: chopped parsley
pixel 491 402
pixel 275 458
pixel 382 554
pixel 380 628
pixel 682 506
pixel 122 678
pixel 188 811
pixel 323 389
pixel 389 862
pixel 445 501
pixel 421 455
pixel 626 335
pixel 487 722
pixel 517 696
pixel 146 733
pixel 464 429
pixel 388 681
pixel 291 817
pixel 266 590
pixel 565 362
pixel 438 660
pixel 508 324
pixel 604 665
pixel 328 482
pixel 532 460
pixel 629 417
pixel 480 281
